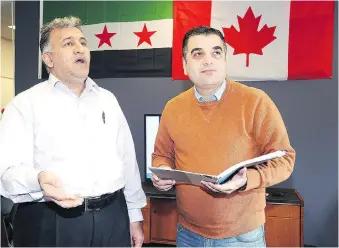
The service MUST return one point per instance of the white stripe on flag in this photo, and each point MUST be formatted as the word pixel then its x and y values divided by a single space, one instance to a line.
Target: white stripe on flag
pixel 125 39
pixel 273 64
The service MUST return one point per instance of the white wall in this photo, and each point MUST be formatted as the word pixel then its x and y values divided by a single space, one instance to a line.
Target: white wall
pixel 7 72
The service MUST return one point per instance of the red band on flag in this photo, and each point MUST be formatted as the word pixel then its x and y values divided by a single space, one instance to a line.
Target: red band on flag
pixel 310 39
pixel 186 15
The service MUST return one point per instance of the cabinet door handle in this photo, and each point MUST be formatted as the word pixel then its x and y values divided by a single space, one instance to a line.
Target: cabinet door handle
pixel 154 211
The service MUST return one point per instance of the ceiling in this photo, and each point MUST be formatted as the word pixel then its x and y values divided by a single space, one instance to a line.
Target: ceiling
pixel 7 7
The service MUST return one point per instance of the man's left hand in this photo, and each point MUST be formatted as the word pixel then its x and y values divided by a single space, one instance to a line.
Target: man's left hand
pixel 237 181
pixel 137 234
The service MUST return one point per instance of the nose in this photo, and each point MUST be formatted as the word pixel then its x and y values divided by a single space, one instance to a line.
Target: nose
pixel 207 60
pixel 78 48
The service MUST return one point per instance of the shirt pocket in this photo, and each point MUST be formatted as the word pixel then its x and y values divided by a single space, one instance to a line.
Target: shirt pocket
pixel 103 132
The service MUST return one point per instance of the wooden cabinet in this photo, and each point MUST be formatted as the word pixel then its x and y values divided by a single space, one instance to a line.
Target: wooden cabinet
pixel 284 222
pixel 147 221
pixel 164 221
pixel 283 226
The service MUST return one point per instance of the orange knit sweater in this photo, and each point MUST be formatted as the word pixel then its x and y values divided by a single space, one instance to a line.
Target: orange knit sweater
pixel 209 137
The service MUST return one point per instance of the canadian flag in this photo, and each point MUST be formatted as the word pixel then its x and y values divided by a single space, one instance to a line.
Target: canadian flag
pixel 267 40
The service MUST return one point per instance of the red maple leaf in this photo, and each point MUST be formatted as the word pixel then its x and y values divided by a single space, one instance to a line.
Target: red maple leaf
pixel 249 40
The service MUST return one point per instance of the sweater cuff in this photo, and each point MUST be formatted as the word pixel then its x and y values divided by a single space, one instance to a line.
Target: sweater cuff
pixel 253 179
pixel 163 161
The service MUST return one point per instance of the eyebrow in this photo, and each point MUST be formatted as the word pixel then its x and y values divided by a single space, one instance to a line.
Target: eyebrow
pixel 71 37
pixel 67 38
pixel 217 48
pixel 196 49
pixel 199 49
pixel 83 38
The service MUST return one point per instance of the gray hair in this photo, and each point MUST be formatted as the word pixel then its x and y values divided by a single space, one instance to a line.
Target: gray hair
pixel 65 22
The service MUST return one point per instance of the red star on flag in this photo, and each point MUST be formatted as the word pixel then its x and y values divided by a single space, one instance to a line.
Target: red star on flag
pixel 144 35
pixel 105 37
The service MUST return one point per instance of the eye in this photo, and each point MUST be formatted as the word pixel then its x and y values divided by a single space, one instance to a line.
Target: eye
pixel 197 54
pixel 217 54
pixel 84 43
pixel 68 43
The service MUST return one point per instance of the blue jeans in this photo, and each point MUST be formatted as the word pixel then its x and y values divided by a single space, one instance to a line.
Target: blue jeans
pixel 255 238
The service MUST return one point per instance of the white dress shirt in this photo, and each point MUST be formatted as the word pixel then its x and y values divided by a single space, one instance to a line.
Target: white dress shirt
pixel 85 140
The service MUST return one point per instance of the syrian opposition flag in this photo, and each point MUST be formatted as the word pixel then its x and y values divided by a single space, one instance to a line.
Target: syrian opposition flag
pixel 126 39
pixel 267 40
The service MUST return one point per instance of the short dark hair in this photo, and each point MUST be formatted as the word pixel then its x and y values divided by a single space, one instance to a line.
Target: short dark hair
pixel 201 30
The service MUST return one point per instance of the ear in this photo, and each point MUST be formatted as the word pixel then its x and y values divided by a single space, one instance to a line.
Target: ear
pixel 46 57
pixel 184 65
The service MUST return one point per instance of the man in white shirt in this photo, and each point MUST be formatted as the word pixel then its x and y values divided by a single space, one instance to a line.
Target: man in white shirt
pixel 67 154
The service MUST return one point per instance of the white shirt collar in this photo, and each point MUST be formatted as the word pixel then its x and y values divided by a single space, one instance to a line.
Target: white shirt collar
pixel 216 96
pixel 89 83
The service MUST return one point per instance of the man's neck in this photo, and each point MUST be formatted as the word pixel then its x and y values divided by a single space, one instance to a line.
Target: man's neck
pixel 207 93
pixel 77 86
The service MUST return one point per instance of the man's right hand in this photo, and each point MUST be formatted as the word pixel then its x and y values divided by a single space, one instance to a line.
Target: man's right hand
pixel 54 190
pixel 162 185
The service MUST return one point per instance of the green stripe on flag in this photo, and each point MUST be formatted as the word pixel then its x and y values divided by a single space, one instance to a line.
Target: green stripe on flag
pixel 93 12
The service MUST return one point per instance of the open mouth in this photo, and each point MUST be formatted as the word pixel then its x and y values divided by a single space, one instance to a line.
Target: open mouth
pixel 80 61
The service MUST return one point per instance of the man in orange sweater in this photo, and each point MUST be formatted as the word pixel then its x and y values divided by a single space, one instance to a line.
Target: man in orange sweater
pixel 210 127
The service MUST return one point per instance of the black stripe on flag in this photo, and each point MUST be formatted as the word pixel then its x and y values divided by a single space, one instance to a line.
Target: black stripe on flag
pixel 129 63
